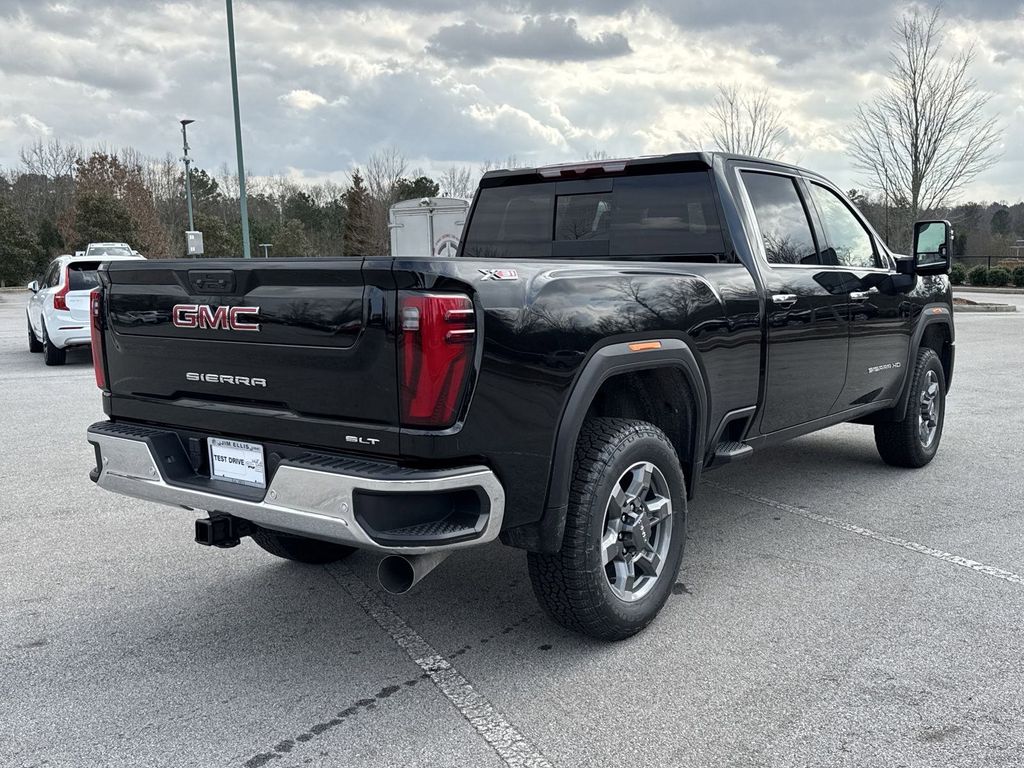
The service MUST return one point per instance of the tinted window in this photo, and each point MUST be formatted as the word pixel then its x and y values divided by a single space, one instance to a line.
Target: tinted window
pixel 583 217
pixel 781 218
pixel 83 277
pixel 632 216
pixel 849 243
pixel 512 222
pixel 51 275
pixel 667 214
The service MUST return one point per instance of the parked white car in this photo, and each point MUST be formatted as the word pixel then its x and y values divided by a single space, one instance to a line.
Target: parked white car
pixel 58 309
pixel 106 250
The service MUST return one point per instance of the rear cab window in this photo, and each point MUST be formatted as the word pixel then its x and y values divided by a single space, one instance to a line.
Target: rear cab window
pixel 652 216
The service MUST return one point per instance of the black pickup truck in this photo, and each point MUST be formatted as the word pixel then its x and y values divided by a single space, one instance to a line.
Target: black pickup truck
pixel 607 333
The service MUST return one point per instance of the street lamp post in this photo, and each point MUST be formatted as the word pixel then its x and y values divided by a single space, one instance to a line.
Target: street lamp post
pixel 188 174
pixel 238 133
pixel 266 249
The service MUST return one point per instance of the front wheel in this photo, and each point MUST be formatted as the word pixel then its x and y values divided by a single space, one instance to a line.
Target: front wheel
pixel 914 441
pixel 300 548
pixel 624 532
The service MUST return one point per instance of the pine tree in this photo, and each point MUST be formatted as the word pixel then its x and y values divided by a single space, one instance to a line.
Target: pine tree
pixel 357 236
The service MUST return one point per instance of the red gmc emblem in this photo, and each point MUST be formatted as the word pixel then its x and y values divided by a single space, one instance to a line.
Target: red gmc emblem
pixel 204 316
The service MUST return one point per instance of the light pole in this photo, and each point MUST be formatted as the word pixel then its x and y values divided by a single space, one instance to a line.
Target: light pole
pixel 266 249
pixel 188 173
pixel 238 134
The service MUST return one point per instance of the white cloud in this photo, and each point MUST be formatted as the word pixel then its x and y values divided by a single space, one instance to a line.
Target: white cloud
pixel 34 124
pixel 303 100
pixel 321 87
pixel 505 117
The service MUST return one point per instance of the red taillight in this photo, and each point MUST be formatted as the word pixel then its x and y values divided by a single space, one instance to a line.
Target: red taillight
pixel 60 298
pixel 435 356
pixel 96 335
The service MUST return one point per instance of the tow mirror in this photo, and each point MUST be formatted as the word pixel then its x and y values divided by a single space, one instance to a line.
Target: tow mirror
pixel 933 246
pixel 34 286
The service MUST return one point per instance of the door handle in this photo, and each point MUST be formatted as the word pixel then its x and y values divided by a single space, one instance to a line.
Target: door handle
pixel 859 295
pixel 784 299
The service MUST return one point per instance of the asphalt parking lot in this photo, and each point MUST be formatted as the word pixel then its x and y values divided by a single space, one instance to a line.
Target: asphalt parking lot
pixel 831 611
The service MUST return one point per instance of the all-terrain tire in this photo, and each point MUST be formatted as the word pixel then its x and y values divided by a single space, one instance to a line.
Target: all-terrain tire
pixel 912 442
pixel 572 585
pixel 301 549
pixel 34 344
pixel 52 355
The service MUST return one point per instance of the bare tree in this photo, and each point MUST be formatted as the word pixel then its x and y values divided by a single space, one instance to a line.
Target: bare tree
pixel 456 182
pixel 927 134
pixel 746 122
pixel 511 163
pixel 52 158
pixel 383 171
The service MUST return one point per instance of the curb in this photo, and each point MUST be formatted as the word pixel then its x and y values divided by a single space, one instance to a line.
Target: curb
pixel 983 289
pixel 984 308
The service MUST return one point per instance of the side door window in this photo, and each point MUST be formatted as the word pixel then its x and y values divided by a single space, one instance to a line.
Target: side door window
pixel 849 244
pixel 782 219
pixel 48 279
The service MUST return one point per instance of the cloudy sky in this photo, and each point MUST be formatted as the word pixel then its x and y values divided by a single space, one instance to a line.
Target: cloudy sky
pixel 323 84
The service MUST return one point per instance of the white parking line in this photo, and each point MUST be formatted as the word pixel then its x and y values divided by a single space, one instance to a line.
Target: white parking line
pixel 896 541
pixel 499 733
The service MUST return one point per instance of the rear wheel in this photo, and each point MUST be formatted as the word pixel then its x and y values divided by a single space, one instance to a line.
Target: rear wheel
pixel 624 533
pixel 52 355
pixel 300 548
pixel 34 344
pixel 914 441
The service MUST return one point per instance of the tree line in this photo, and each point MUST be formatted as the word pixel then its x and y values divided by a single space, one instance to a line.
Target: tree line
pixel 60 198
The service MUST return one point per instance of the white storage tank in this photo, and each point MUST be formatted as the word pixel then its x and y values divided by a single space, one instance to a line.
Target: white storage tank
pixel 427 226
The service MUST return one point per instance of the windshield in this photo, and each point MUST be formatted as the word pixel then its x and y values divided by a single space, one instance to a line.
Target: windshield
pixel 664 215
pixel 109 250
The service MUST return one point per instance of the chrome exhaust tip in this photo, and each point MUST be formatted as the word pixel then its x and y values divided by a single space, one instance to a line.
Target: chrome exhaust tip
pixel 398 574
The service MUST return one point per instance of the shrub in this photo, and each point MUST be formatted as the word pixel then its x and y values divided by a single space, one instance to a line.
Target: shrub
pixel 978 275
pixel 998 276
pixel 957 274
pixel 1018 277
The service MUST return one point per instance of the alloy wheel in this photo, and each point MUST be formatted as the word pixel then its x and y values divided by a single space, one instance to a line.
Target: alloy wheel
pixel 929 412
pixel 637 531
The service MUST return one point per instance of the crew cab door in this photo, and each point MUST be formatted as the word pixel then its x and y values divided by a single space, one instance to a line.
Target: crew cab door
pixel 807 325
pixel 879 311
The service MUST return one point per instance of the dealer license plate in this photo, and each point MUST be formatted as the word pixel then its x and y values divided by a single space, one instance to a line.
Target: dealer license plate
pixel 237 462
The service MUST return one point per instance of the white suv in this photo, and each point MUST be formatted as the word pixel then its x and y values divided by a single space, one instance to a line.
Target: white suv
pixel 58 309
pixel 106 251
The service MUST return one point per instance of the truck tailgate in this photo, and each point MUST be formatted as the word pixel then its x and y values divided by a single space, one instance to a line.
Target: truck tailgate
pixel 292 341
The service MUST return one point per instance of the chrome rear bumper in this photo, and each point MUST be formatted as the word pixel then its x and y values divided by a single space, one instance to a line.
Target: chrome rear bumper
pixel 304 500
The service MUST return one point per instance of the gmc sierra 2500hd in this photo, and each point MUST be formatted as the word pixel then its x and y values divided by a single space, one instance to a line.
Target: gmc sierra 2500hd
pixel 607 332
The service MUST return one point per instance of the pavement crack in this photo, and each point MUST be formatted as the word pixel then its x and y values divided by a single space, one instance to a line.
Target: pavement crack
pixel 285 746
pixel 506 630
